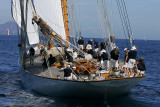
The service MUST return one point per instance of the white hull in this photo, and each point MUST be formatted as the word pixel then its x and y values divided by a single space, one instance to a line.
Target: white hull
pixel 61 88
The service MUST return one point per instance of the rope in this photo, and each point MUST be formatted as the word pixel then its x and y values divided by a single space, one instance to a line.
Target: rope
pixel 121 17
pixel 100 21
pixel 59 40
pixel 107 23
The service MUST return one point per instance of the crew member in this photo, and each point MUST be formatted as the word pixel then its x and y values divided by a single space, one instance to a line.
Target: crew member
pixel 114 58
pixel 51 60
pixel 104 57
pixel 89 45
pixel 81 43
pixel 96 46
pixel 126 58
pixel 103 45
pixel 132 59
pixel 32 53
pixel 68 73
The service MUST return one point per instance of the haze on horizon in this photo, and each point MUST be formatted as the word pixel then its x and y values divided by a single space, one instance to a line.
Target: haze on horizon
pixel 144 17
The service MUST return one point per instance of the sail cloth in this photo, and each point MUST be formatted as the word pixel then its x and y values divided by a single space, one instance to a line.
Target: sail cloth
pixel 16 11
pixel 32 29
pixel 51 12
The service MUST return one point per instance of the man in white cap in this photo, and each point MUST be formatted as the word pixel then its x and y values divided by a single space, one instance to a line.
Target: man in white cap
pixel 68 73
pixel 132 59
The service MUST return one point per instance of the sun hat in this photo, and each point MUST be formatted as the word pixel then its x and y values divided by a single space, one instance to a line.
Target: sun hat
pixel 74 67
pixel 68 66
pixel 125 49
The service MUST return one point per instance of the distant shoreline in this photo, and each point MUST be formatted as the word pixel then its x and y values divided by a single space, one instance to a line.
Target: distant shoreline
pixel 99 38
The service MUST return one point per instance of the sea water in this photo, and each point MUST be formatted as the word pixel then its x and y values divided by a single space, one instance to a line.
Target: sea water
pixel 12 93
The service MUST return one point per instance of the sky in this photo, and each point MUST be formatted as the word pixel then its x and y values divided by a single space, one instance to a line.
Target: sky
pixel 144 17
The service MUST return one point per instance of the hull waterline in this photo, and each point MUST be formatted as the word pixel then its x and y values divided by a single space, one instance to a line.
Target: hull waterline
pixel 61 88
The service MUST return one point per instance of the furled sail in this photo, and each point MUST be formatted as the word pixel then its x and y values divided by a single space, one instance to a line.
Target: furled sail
pixel 32 29
pixel 51 12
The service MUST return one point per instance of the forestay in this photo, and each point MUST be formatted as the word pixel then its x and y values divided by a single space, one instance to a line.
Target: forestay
pixel 51 12
pixel 32 29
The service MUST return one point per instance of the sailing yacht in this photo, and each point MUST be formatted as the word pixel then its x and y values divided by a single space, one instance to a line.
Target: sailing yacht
pixel 8 32
pixel 50 17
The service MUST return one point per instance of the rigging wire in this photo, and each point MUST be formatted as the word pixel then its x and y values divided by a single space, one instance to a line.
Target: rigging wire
pixel 79 19
pixel 70 11
pixel 112 18
pixel 122 20
pixel 129 25
pixel 107 23
pixel 73 24
pixel 100 21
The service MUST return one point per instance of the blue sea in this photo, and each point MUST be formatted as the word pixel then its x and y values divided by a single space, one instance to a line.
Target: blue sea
pixel 144 94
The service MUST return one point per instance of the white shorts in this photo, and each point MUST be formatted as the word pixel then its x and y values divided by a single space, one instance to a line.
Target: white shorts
pixel 114 63
pixel 125 65
pixel 88 46
pixel 88 57
pixel 96 50
pixel 131 63
pixel 81 47
pixel 138 71
pixel 106 63
pixel 142 72
pixel 75 55
pixel 68 78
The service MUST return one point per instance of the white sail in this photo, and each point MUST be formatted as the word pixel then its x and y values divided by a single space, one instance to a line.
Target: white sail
pixel 16 11
pixel 51 12
pixel 8 32
pixel 32 29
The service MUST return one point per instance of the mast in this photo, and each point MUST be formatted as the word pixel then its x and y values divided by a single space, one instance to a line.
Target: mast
pixel 65 18
pixel 23 35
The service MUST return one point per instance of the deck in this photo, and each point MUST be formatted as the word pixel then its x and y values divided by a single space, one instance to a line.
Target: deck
pixel 54 72
pixel 37 69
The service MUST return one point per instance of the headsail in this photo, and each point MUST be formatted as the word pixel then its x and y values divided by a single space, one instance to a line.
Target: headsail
pixel 32 30
pixel 51 12
pixel 16 11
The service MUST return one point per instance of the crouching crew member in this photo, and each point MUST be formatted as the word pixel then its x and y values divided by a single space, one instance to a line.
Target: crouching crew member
pixel 68 73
